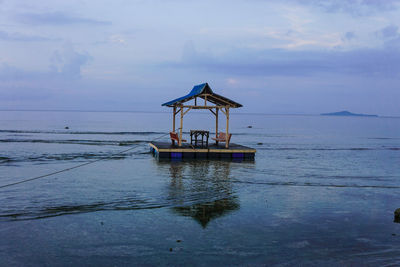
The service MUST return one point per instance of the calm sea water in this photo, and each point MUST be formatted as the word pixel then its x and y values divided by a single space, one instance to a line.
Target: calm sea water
pixel 321 191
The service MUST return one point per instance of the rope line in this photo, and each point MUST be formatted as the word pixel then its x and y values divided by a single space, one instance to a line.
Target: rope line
pixel 77 166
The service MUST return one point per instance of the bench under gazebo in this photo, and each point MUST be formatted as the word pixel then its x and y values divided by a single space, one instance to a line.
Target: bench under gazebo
pixel 204 98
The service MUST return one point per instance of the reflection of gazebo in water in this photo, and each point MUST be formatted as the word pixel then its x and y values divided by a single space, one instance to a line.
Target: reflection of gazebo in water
pixel 202 97
pixel 201 189
pixel 204 212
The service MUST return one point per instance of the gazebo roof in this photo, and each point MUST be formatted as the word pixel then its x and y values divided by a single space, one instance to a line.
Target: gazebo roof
pixel 203 90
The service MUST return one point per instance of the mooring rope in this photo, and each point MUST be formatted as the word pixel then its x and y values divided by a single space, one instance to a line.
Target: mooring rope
pixel 77 166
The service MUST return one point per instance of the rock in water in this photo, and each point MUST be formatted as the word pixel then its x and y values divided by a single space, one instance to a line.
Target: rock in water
pixel 397 215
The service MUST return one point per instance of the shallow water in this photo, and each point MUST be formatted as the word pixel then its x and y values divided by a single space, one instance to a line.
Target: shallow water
pixel 321 191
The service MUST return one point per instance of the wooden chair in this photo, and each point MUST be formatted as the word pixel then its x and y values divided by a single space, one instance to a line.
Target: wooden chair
pixel 222 138
pixel 174 137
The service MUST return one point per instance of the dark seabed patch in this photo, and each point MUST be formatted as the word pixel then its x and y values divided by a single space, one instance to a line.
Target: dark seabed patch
pixel 75 142
pixel 79 132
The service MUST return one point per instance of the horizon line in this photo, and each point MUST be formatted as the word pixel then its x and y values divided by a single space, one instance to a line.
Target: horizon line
pixel 143 111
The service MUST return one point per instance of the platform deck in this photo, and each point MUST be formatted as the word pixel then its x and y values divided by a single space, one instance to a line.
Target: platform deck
pixel 235 151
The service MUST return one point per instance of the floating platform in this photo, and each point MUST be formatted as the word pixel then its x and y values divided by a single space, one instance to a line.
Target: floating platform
pixel 165 150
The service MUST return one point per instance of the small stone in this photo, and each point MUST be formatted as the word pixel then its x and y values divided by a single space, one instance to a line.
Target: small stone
pixel 170 249
pixel 259 143
pixel 393 234
pixel 102 223
pixel 397 215
pixel 66 127
pixel 249 126
pixel 178 240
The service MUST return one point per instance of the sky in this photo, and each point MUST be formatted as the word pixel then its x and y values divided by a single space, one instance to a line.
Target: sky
pixel 275 57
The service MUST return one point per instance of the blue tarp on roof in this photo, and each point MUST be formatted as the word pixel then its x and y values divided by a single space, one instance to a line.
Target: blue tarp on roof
pixel 197 89
pixel 201 89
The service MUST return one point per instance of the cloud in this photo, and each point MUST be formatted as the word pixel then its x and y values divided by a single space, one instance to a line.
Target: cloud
pixel 232 81
pixel 66 65
pixel 280 62
pixel 57 87
pixel 56 18
pixel 5 36
pixel 68 62
pixel 10 73
pixel 390 31
pixel 117 38
pixel 391 36
pixel 348 36
pixel 353 7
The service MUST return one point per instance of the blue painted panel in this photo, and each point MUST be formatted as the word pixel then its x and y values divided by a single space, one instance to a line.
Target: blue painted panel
pixel 176 155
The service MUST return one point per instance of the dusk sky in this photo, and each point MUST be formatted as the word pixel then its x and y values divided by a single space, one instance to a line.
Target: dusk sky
pixel 277 57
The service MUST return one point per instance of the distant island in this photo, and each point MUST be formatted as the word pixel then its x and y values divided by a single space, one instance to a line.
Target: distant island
pixel 347 113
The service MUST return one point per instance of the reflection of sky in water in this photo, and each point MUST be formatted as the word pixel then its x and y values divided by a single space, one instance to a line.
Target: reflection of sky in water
pixel 321 191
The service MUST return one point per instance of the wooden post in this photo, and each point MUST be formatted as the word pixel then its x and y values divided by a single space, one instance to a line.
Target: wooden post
pixel 216 124
pixel 227 127
pixel 180 130
pixel 173 120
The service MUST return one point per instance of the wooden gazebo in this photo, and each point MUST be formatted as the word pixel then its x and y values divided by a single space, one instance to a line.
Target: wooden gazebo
pixel 208 100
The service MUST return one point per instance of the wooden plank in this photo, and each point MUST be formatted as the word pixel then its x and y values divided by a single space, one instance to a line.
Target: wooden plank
pixel 185 150
pixel 220 99
pixel 216 124
pixel 198 150
pixel 173 120
pixel 201 107
pixel 227 140
pixel 186 111
pixel 180 130
pixel 222 109
pixel 182 150
pixel 177 111
pixel 234 148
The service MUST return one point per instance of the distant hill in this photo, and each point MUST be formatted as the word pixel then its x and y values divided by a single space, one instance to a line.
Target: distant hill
pixel 347 113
